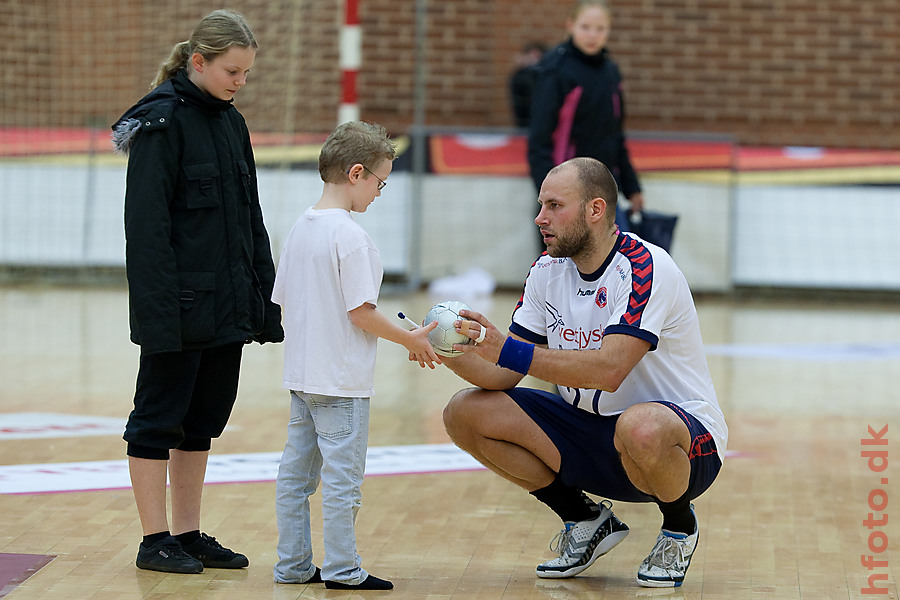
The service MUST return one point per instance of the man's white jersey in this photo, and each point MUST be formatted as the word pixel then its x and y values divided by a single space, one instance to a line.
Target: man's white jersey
pixel 638 291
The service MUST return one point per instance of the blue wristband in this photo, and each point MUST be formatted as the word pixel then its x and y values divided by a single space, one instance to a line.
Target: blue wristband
pixel 516 356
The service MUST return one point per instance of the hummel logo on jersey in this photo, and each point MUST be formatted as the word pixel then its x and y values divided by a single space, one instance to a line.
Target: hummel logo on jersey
pixel 582 292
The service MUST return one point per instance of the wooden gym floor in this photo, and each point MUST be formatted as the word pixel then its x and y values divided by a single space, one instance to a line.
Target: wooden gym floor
pixel 802 380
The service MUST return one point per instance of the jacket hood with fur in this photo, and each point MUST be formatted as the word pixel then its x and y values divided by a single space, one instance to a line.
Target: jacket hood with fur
pixel 151 112
pixel 154 110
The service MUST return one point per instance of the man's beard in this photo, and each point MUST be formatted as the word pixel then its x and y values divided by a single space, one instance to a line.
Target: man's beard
pixel 572 243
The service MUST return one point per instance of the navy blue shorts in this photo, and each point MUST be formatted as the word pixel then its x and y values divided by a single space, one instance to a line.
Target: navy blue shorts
pixel 182 400
pixel 590 461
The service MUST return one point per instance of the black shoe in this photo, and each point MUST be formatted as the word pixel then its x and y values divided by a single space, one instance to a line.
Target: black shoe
pixel 369 583
pixel 214 555
pixel 168 556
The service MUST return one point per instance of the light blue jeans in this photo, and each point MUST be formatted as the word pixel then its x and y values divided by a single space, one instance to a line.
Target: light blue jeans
pixel 327 440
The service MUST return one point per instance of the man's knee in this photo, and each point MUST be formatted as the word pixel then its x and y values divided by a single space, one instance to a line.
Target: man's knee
pixel 645 428
pixel 455 413
pixel 636 427
pixel 473 412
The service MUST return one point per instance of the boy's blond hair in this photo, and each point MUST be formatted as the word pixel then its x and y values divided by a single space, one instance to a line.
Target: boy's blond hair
pixel 354 142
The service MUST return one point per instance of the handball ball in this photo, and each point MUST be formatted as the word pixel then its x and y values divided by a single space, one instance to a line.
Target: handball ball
pixel 444 335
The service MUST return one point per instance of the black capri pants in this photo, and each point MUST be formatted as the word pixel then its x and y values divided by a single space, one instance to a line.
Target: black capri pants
pixel 182 400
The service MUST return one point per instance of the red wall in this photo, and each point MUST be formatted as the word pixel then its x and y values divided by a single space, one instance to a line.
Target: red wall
pixel 785 72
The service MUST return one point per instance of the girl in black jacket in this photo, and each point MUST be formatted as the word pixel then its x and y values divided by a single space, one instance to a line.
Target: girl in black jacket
pixel 577 107
pixel 200 276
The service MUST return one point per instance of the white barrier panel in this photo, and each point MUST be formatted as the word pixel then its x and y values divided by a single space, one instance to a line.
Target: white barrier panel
pixel 830 236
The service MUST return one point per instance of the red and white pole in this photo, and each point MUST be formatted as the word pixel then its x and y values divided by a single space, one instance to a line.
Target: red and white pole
pixel 350 58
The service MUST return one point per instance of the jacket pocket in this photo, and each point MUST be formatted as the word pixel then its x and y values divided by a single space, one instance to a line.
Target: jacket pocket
pixel 203 183
pixel 197 294
pixel 245 176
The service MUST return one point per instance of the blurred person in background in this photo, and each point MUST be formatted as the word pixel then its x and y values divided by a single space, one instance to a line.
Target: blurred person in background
pixel 578 107
pixel 523 80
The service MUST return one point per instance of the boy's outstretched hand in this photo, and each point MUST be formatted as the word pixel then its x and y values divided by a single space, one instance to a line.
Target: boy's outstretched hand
pixel 420 349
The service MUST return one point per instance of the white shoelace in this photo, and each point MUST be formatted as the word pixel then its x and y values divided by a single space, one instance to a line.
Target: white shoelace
pixel 667 553
pixel 560 541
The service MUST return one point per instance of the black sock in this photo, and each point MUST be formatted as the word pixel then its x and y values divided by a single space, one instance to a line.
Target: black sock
pixel 678 516
pixel 188 537
pixel 151 539
pixel 571 504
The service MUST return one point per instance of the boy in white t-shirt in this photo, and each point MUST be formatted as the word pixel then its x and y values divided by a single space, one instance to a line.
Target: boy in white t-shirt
pixel 327 284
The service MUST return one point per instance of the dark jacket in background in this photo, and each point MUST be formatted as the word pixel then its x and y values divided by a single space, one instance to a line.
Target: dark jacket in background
pixel 198 259
pixel 578 110
pixel 521 91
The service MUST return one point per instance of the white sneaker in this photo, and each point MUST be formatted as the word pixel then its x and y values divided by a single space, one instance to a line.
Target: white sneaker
pixel 670 558
pixel 583 542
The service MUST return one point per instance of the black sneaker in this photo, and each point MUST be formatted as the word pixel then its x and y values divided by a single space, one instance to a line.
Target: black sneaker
pixel 369 583
pixel 168 556
pixel 214 555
